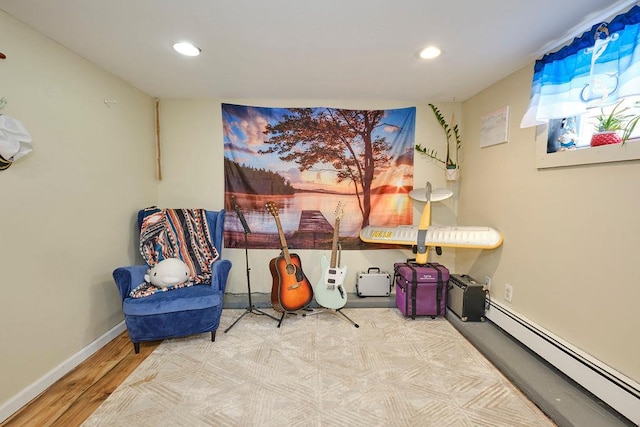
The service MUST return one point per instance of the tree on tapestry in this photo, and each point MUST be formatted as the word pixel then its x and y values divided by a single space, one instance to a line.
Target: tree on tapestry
pixel 306 161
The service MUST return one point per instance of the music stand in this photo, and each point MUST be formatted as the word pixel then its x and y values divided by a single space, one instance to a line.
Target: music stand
pixel 250 308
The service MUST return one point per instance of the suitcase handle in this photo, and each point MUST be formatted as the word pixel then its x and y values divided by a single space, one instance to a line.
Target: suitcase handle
pixel 376 269
pixel 469 278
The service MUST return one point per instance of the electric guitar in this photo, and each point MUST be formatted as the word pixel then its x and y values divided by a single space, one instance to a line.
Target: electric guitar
pixel 291 289
pixel 329 291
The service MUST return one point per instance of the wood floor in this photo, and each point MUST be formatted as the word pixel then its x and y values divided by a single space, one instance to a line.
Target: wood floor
pixel 71 400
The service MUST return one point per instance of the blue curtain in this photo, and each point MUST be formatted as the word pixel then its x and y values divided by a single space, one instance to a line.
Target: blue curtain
pixel 597 68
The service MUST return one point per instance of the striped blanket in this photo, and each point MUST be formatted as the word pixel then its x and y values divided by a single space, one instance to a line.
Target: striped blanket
pixel 182 234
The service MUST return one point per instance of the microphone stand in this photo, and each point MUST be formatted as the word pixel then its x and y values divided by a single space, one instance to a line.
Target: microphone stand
pixel 251 308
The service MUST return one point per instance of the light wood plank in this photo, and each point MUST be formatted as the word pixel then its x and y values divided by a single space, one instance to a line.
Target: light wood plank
pixel 93 397
pixel 75 396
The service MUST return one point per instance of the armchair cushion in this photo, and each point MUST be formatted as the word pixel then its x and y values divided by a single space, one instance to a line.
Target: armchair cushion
pixel 181 299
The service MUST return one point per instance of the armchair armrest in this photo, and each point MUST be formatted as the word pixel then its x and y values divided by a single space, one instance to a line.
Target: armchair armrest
pixel 219 273
pixel 127 278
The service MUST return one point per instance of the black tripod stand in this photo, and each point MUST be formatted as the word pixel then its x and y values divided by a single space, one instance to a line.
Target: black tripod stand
pixel 251 308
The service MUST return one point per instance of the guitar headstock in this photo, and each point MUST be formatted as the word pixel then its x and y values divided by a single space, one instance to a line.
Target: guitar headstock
pixel 339 212
pixel 272 208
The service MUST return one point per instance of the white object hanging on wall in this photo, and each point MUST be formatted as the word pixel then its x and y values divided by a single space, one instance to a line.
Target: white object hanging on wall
pixel 452 174
pixel 15 141
pixel 494 127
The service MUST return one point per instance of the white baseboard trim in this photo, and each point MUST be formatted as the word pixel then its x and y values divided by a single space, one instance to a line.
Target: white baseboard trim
pixel 614 388
pixel 28 394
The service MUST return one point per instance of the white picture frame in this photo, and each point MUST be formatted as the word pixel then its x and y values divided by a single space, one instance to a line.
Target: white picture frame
pixel 494 127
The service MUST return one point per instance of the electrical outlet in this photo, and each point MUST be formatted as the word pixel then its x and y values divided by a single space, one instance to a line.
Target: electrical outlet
pixel 508 293
pixel 487 281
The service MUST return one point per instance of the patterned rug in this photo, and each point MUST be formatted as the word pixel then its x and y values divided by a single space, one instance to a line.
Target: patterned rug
pixel 319 370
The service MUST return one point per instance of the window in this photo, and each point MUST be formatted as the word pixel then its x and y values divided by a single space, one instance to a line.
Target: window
pixel 575 84
pixel 575 132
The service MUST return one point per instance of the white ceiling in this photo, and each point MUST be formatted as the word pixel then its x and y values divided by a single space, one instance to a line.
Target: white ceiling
pixel 312 50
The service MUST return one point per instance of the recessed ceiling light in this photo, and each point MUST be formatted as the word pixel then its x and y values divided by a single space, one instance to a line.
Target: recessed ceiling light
pixel 187 49
pixel 429 52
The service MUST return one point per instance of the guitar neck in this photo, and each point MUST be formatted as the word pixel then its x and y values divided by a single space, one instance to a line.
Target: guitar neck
pixel 283 241
pixel 334 244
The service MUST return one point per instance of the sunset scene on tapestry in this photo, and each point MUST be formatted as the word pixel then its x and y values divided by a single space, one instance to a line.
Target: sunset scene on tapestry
pixel 287 172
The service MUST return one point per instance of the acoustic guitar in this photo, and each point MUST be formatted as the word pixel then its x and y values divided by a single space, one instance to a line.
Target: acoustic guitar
pixel 291 289
pixel 329 291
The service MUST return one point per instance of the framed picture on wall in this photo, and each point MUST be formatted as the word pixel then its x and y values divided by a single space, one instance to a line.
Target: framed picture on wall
pixel 494 127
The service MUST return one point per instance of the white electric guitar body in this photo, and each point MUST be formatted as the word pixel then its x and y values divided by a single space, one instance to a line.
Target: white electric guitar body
pixel 426 235
pixel 329 291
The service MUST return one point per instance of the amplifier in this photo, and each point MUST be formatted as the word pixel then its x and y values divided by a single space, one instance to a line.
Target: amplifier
pixel 466 297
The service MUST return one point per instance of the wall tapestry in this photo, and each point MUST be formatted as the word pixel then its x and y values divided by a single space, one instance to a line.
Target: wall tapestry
pixel 304 163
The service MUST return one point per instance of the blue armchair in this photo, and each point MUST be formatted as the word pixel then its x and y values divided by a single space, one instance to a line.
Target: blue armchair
pixel 178 312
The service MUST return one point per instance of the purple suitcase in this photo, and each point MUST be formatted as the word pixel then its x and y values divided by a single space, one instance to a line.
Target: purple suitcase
pixel 421 289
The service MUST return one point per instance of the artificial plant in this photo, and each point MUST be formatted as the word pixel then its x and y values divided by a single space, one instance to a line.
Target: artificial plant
pixel 449 162
pixel 621 118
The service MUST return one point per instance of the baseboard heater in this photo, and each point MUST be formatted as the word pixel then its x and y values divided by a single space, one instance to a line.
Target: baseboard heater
pixel 614 388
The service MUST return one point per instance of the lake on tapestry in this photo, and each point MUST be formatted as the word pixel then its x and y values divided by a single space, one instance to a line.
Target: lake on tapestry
pixel 390 209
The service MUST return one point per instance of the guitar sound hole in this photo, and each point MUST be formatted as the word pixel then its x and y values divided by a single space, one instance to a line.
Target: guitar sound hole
pixel 291 269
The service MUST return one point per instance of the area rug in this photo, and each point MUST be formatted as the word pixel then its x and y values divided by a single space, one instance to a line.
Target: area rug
pixel 319 370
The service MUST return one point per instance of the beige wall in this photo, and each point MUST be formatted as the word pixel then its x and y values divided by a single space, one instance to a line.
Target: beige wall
pixel 192 135
pixel 570 234
pixel 68 207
